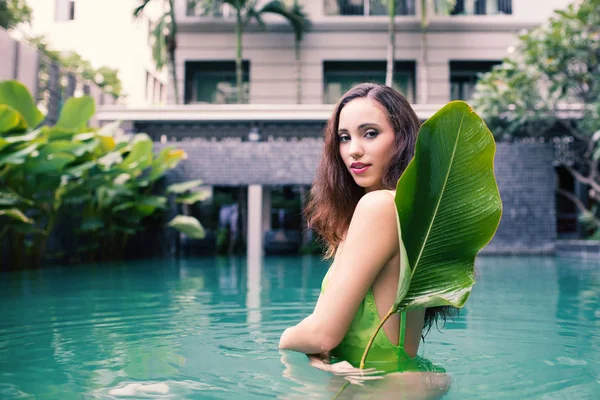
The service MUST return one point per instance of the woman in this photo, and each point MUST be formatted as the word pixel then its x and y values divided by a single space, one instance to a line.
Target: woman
pixel 369 141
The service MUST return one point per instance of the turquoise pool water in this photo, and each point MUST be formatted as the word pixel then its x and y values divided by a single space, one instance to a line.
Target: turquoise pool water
pixel 209 328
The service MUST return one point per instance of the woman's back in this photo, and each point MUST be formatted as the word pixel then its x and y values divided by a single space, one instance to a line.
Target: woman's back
pixel 397 343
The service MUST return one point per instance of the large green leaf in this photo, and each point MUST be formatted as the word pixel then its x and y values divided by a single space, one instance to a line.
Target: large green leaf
pixel 449 207
pixel 167 159
pixel 182 187
pixel 47 164
pixel 189 226
pixel 16 95
pixel 17 214
pixel 19 156
pixel 10 119
pixel 76 112
pixel 140 156
pixel 193 197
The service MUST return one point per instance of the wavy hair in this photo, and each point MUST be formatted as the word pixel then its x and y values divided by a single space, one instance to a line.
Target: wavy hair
pixel 334 193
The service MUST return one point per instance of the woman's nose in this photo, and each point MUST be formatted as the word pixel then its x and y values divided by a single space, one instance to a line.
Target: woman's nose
pixel 356 149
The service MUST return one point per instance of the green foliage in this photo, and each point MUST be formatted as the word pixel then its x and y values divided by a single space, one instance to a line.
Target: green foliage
pixel 14 12
pixel 105 77
pixel 550 86
pixel 447 191
pixel 248 10
pixel 100 179
pixel 552 66
pixel 163 37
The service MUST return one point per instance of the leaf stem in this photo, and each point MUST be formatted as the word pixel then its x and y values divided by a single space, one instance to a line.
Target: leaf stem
pixel 340 391
pixel 364 356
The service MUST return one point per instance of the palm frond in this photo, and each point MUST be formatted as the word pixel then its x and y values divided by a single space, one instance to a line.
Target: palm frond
pixel 138 10
pixel 294 14
pixel 159 33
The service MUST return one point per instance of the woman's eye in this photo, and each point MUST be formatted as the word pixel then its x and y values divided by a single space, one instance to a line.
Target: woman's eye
pixel 371 134
pixel 344 138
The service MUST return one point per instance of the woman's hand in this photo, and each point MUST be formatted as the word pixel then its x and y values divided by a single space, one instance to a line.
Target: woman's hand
pixel 344 369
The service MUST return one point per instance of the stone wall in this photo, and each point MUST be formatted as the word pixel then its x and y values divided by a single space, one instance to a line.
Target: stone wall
pixel 524 172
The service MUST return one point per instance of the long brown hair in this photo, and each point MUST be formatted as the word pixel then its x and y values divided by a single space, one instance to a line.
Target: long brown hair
pixel 334 193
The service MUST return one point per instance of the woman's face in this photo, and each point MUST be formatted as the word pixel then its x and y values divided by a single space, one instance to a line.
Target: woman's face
pixel 366 141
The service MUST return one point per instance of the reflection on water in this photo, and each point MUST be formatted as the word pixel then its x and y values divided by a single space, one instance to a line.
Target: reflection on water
pixel 209 328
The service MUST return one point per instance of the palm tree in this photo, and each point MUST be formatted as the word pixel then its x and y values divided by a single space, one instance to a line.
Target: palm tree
pixel 164 40
pixel 300 23
pixel 441 7
pixel 391 48
pixel 246 10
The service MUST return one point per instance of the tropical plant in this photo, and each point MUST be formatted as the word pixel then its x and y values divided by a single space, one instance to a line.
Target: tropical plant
pixel 440 7
pixel 163 39
pixel 14 12
pixel 549 86
pixel 48 172
pixel 246 11
pixel 300 23
pixel 447 193
pixel 105 77
pixel 391 47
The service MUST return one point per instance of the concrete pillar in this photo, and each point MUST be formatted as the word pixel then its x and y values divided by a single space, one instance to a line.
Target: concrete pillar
pixel 255 222
pixel 266 209
pixel 255 253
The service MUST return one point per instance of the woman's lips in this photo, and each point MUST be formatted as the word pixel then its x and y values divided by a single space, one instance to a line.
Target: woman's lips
pixel 359 169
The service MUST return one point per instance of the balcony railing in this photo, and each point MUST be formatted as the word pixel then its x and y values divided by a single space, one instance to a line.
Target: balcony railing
pixel 367 7
pixel 482 7
pixel 211 9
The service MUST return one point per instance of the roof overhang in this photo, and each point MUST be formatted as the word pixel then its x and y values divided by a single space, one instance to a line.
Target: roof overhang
pixel 234 112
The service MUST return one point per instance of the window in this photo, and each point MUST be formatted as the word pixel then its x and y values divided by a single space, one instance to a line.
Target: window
pixel 215 9
pixel 482 7
pixel 340 76
pixel 464 76
pixel 214 82
pixel 71 10
pixel 367 7
pixel 65 10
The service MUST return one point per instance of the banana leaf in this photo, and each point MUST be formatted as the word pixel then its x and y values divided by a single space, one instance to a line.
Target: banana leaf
pixel 16 95
pixel 449 207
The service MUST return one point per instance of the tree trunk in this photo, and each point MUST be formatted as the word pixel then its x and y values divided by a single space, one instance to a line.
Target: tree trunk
pixel 389 75
pixel 238 58
pixel 298 72
pixel 171 47
pixel 424 98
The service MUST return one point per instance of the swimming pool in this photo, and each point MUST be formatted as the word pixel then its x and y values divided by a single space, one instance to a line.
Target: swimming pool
pixel 209 328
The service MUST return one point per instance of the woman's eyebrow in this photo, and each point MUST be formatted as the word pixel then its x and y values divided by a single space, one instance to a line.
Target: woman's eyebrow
pixel 340 131
pixel 368 124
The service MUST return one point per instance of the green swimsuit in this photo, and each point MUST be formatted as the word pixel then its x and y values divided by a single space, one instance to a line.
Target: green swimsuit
pixel 383 355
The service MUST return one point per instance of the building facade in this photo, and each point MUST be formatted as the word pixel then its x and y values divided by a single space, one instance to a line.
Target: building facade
pixel 105 33
pixel 347 45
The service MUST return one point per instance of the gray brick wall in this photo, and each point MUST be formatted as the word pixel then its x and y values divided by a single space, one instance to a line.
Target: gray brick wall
pixel 524 173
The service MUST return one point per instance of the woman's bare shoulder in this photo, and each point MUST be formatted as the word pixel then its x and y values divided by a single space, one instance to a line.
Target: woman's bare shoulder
pixel 378 203
pixel 378 210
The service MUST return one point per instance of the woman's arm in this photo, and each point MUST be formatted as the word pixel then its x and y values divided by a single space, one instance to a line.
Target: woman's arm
pixel 371 241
